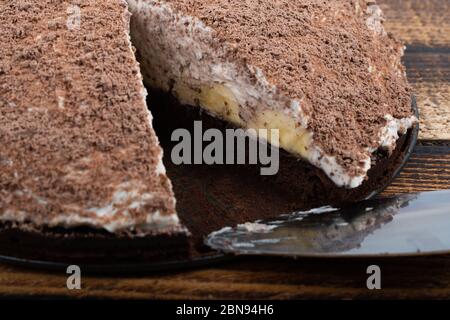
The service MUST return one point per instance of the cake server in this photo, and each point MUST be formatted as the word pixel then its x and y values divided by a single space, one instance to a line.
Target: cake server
pixel 405 225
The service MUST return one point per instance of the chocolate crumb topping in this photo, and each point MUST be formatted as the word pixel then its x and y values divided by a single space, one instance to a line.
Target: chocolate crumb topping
pixel 333 56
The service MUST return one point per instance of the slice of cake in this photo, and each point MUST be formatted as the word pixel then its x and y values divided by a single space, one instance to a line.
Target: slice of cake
pixel 78 151
pixel 325 73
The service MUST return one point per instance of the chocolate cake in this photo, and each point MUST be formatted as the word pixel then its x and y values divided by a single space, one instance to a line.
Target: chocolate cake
pixel 324 73
pixel 79 156
pixel 81 171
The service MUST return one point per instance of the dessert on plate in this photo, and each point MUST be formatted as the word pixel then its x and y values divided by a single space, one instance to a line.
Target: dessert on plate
pixel 79 157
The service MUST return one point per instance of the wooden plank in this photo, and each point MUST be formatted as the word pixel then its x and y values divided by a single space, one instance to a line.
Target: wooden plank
pixel 427 170
pixel 418 22
pixel 424 26
pixel 428 71
pixel 252 278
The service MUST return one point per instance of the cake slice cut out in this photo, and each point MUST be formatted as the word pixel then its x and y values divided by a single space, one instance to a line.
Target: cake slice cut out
pixel 77 144
pixel 324 73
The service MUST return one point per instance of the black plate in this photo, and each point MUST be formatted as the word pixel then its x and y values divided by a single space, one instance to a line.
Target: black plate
pixel 120 268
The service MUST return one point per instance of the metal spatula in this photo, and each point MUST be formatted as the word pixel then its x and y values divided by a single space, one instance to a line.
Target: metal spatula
pixel 405 225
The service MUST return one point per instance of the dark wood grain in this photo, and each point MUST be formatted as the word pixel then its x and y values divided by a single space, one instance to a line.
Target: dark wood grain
pixel 428 71
pixel 425 27
pixel 418 22
pixel 427 170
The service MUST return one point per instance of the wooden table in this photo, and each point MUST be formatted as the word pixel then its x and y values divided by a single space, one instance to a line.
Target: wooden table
pixel 425 27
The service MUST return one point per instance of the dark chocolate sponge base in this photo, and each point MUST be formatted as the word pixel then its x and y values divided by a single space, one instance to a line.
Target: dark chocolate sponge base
pixel 88 246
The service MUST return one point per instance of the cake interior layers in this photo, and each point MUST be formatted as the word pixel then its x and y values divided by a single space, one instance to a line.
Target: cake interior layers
pixel 77 143
pixel 324 73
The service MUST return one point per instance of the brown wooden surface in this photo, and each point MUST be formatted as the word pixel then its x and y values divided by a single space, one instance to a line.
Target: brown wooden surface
pixel 425 27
